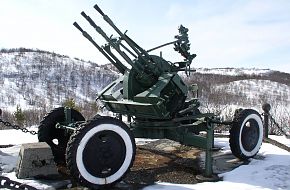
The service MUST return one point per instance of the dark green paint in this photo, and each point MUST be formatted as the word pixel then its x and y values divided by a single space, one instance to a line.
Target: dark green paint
pixel 151 92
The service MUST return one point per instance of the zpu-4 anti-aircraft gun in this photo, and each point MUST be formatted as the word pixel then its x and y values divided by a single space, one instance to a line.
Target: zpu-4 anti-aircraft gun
pixel 151 89
pixel 99 152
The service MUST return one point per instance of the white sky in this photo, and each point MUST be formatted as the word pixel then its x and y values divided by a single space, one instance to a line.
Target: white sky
pixel 225 33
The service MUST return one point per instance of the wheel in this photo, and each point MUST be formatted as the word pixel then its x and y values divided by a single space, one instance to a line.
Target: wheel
pixel 246 134
pixel 57 139
pixel 101 152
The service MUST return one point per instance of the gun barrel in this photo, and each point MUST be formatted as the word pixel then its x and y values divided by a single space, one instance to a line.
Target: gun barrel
pixel 78 27
pixel 99 10
pixel 130 42
pixel 122 68
pixel 115 46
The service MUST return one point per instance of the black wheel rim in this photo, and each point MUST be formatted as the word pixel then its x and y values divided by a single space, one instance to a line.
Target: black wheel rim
pixel 58 147
pixel 57 139
pixel 250 134
pixel 104 154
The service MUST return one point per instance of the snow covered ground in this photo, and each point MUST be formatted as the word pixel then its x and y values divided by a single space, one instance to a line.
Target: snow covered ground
pixel 269 170
pixel 280 139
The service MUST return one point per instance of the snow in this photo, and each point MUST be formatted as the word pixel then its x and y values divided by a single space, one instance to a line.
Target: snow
pixel 16 137
pixel 34 79
pixel 281 139
pixel 270 169
pixel 254 93
pixel 233 71
pixel 252 88
pixel 48 185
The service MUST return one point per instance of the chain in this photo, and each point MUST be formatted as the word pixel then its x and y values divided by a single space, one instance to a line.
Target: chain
pixel 5 182
pixel 24 130
pixel 278 126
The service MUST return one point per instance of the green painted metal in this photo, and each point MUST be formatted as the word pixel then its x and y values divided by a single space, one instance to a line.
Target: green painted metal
pixel 67 113
pixel 208 152
pixel 68 123
pixel 185 134
pixel 151 92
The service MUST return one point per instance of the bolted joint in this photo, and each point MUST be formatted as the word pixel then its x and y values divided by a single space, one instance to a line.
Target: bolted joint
pixel 209 123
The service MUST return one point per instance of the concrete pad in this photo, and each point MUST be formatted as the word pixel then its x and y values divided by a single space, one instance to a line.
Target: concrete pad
pixel 226 162
pixel 36 161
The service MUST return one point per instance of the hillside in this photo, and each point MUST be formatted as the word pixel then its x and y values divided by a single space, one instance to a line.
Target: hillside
pixel 35 79
pixel 38 81
pixel 243 87
pixel 222 90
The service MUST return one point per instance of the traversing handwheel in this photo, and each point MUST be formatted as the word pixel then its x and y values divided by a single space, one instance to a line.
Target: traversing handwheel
pixel 101 152
pixel 246 134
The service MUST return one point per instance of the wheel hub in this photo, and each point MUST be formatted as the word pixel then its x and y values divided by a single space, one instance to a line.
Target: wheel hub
pixel 104 154
pixel 250 135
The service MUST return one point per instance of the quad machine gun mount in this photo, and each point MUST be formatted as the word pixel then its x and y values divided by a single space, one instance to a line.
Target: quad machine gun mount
pixel 151 93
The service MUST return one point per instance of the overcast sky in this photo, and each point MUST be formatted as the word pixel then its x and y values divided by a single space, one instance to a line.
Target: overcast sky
pixel 224 33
